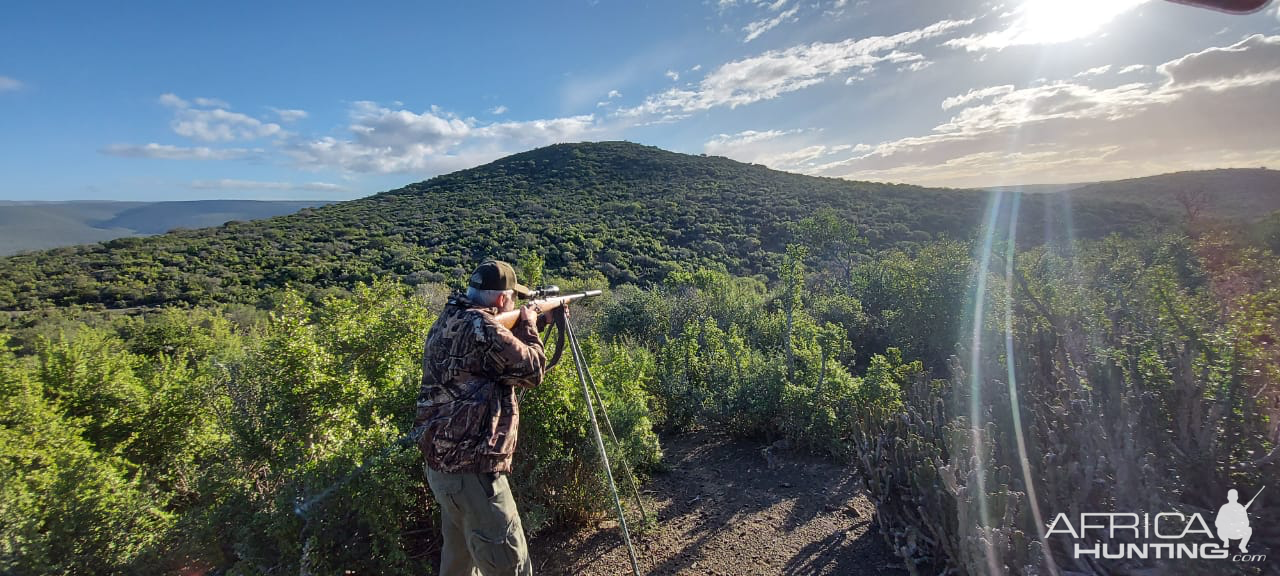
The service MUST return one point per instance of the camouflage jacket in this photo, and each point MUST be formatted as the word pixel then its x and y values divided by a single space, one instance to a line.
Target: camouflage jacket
pixel 467 403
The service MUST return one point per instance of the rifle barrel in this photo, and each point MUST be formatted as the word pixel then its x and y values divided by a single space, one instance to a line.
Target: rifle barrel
pixel 1255 497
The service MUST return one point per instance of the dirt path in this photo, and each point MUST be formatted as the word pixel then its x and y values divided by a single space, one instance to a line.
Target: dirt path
pixel 723 509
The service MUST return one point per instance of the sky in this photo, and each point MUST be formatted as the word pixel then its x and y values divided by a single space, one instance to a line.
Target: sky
pixel 325 100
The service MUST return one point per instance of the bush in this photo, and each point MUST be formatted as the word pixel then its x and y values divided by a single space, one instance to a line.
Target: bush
pixel 202 440
pixel 64 506
pixel 559 479
pixel 1131 386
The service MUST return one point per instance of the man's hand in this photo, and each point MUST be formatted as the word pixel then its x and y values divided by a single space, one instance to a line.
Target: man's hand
pixel 528 316
pixel 549 317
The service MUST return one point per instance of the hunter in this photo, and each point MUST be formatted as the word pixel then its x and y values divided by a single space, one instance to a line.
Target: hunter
pixel 470 416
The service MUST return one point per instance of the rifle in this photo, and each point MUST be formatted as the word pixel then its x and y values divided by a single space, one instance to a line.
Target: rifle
pixel 546 300
pixel 1255 497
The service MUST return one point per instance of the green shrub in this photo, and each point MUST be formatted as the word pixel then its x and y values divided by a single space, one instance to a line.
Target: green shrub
pixel 559 479
pixel 1138 380
pixel 64 506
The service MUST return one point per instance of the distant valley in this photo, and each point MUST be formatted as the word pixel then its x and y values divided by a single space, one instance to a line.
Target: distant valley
pixel 41 225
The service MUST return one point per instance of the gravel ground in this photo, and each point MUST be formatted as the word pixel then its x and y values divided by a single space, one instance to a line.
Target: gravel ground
pixel 729 507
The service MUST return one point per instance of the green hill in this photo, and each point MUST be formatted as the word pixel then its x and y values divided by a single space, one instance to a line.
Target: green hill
pixel 1248 194
pixel 629 212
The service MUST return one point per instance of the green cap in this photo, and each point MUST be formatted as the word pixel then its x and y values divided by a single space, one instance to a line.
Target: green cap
pixel 497 275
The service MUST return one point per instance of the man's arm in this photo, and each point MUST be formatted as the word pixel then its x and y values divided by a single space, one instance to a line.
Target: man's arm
pixel 517 352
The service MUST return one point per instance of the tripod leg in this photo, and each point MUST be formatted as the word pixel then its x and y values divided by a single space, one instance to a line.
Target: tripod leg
pixel 580 363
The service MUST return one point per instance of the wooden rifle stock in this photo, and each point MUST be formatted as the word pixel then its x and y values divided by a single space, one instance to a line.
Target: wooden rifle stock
pixel 508 319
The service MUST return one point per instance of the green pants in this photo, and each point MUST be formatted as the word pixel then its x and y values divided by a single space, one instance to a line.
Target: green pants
pixel 480 524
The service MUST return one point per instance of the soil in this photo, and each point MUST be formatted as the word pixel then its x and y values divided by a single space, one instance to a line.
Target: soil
pixel 731 507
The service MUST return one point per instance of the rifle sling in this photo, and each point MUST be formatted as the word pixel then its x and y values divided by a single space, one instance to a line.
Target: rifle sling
pixel 555 358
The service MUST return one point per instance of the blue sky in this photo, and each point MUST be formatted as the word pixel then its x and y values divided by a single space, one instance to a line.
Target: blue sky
pixel 334 100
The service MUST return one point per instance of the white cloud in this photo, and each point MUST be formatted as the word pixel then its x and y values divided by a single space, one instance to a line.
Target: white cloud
pixel 793 150
pixel 759 27
pixel 498 110
pixel 722 141
pixel 975 95
pixel 173 101
pixel 379 127
pixel 916 66
pixel 836 8
pixel 168 152
pixel 780 4
pixel 211 103
pixel 221 126
pixel 1100 70
pixel 329 152
pixel 229 184
pixel 673 75
pixel 898 56
pixel 8 84
pixel 778 72
pixel 212 122
pixel 1249 61
pixel 288 115
pixel 1212 108
pixel 608 100
pixel 396 140
pixel 537 132
pixel 696 68
pixel 377 138
pixel 1047 22
pixel 1133 68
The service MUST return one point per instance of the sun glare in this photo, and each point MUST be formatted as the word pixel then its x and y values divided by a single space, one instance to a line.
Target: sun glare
pixel 1053 21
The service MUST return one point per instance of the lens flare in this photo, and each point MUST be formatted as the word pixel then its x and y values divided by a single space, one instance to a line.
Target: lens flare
pixel 1011 251
pixel 976 421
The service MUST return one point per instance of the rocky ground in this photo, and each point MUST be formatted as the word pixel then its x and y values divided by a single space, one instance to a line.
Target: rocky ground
pixel 731 507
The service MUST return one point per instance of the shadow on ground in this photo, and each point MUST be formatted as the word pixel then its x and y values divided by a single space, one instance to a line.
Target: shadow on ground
pixel 726 507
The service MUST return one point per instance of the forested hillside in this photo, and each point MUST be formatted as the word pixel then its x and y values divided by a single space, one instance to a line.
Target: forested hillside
pixel 1243 193
pixel 632 213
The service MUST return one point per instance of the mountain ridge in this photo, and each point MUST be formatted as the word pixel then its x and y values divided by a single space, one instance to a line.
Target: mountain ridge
pixel 1172 189
pixel 622 211
pixel 38 225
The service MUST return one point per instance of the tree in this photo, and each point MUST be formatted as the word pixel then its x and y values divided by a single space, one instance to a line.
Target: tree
pixel 792 287
pixel 833 243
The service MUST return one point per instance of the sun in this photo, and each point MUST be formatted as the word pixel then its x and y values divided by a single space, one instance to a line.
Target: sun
pixel 1055 21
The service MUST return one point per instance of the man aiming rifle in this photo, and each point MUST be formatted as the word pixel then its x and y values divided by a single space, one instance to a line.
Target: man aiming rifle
pixel 478 351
